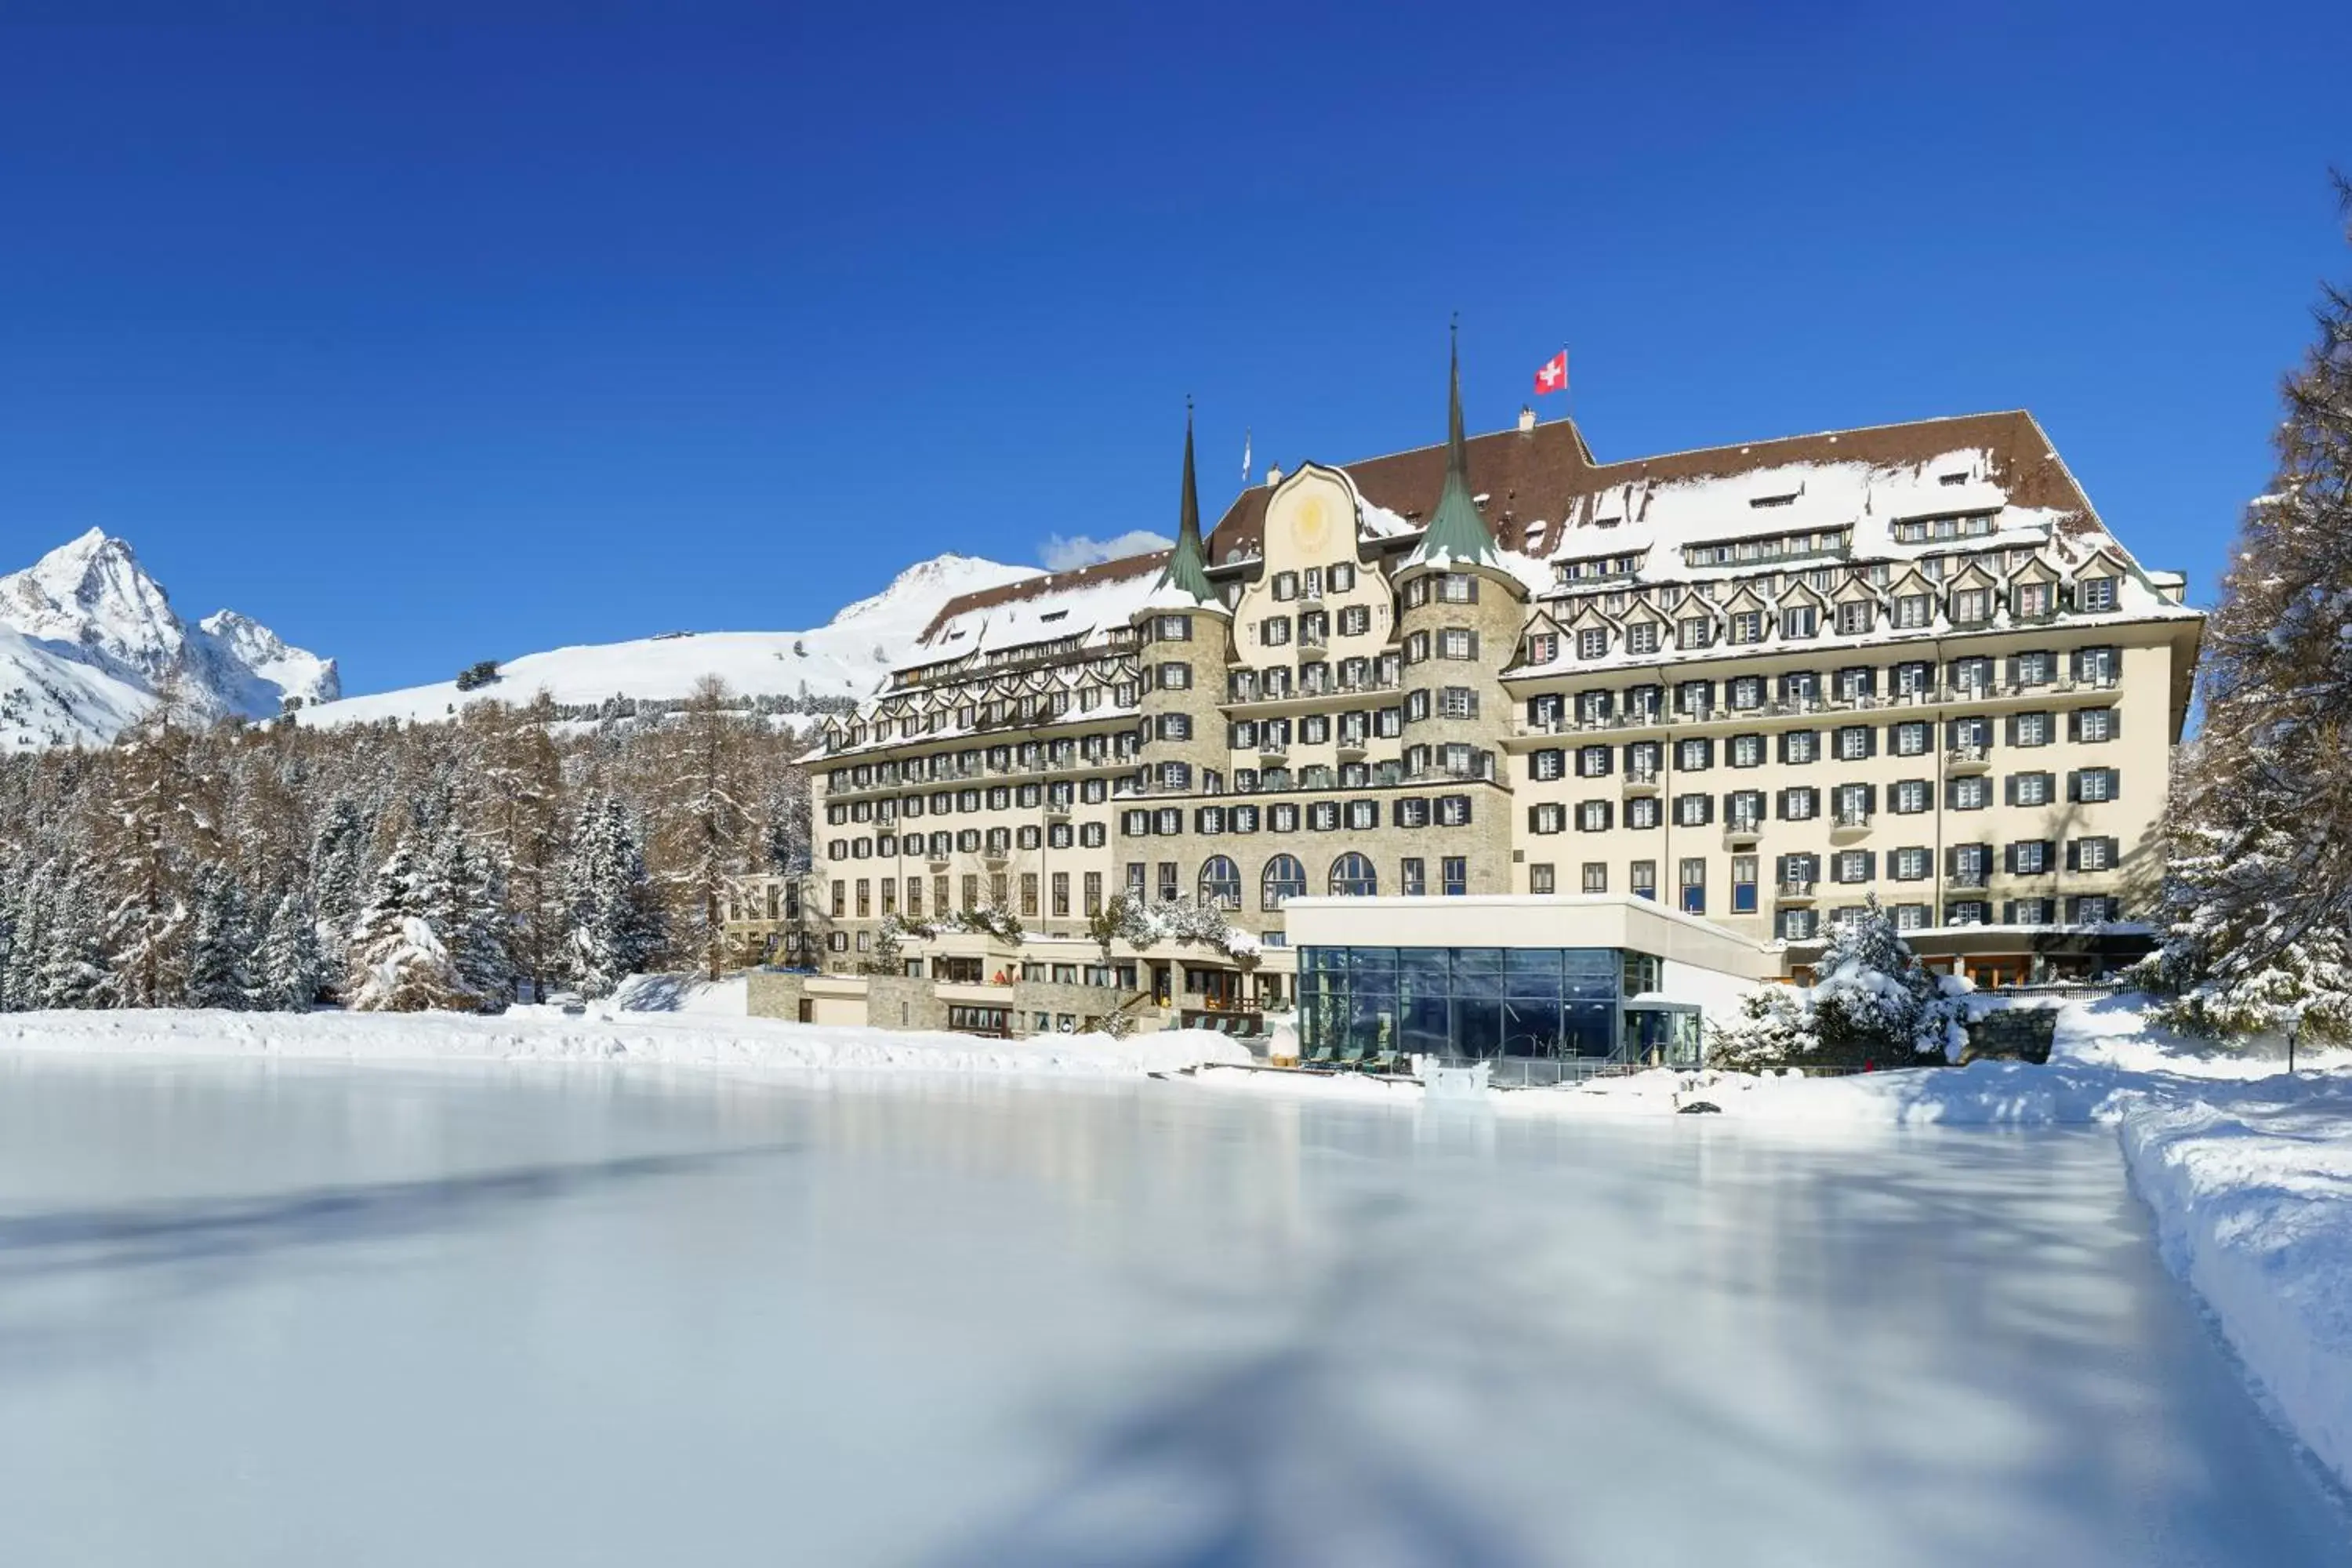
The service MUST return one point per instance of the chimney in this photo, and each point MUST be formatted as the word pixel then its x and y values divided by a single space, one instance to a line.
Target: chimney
pixel 1273 475
pixel 1526 419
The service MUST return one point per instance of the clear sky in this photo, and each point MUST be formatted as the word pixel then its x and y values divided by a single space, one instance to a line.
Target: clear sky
pixel 426 339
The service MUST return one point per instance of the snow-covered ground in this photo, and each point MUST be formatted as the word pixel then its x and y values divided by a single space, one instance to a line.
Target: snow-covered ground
pixel 700 1033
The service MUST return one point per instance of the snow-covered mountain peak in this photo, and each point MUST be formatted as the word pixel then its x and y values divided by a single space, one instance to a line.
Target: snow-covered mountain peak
pixel 94 635
pixel 926 585
pixel 92 592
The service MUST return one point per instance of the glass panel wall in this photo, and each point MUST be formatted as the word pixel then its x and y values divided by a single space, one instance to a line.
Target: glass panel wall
pixel 1468 1003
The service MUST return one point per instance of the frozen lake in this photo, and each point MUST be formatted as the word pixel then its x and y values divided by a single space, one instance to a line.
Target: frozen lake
pixel 310 1314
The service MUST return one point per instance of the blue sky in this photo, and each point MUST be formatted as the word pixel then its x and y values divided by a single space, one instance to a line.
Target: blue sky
pixel 425 338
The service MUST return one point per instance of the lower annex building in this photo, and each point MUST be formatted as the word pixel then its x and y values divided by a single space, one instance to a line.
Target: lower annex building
pixel 1750 687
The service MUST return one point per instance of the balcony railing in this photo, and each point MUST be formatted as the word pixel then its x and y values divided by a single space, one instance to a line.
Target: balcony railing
pixel 1796 888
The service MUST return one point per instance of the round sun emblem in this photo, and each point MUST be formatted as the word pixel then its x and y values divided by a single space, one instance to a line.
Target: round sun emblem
pixel 1310 525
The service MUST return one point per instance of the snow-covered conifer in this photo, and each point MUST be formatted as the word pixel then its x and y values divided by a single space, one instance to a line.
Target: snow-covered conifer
pixel 1872 1003
pixel 287 969
pixel 221 947
pixel 615 928
pixel 398 963
pixel 74 970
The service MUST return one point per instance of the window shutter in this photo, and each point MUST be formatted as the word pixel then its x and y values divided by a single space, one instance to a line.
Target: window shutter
pixel 2012 673
pixel 2075 785
pixel 1608 759
pixel 1870 741
pixel 1474 704
pixel 1784 745
pixel 2008 730
pixel 1781 805
pixel 2115 722
pixel 1870 865
pixel 2074 723
pixel 1707 808
pixel 2008 859
pixel 1870 799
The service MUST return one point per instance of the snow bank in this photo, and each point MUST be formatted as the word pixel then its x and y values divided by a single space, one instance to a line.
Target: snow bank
pixel 729 997
pixel 2253 1197
pixel 686 1038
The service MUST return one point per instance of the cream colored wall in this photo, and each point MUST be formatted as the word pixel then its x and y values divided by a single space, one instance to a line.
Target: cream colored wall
pixel 2140 754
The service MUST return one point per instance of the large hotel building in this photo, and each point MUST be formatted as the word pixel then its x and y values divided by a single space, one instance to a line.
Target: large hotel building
pixel 1627 736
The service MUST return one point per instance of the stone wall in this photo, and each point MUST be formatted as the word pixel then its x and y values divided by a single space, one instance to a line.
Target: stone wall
pixel 2012 1034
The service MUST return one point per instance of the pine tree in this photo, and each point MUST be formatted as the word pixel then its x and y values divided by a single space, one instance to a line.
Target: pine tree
pixel 615 924
pixel 1873 1003
pixel 287 969
pixel 74 970
pixel 221 949
pixel 338 878
pixel 2259 895
pixel 461 893
pixel 21 987
pixel 399 964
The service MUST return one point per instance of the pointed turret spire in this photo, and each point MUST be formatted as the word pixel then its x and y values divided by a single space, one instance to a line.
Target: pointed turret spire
pixel 1188 570
pixel 1455 529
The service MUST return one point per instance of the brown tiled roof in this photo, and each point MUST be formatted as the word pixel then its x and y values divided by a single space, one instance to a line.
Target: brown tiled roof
pixel 1548 472
pixel 1048 582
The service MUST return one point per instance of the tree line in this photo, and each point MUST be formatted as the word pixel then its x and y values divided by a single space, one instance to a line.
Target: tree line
pixel 387 866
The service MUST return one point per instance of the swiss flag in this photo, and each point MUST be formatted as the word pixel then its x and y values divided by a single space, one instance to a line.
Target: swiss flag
pixel 1553 376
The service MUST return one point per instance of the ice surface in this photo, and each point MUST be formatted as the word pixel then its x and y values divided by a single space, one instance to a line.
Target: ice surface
pixel 262 1312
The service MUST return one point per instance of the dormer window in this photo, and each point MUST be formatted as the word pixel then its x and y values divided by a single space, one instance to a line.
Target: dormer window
pixel 1641 637
pixel 2095 595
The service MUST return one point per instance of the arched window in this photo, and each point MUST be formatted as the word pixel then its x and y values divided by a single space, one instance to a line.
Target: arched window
pixel 1352 876
pixel 1284 878
pixel 1221 882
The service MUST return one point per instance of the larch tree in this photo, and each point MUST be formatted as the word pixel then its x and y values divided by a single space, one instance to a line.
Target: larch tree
pixel 704 827
pixel 2259 892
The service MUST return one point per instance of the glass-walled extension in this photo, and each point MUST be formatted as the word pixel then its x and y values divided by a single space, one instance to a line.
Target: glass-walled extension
pixel 1573 1009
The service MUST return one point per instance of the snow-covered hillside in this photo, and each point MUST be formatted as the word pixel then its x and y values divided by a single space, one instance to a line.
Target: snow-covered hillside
pixel 86 635
pixel 843 658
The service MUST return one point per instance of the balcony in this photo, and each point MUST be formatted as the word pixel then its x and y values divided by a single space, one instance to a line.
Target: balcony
pixel 1353 748
pixel 1969 878
pixel 1057 811
pixel 1642 781
pixel 1741 832
pixel 1796 890
pixel 1968 759
pixel 1845 827
pixel 1273 751
pixel 1318 639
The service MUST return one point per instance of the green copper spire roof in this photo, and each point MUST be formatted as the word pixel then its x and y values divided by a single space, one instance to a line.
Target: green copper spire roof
pixel 1455 529
pixel 1187 563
